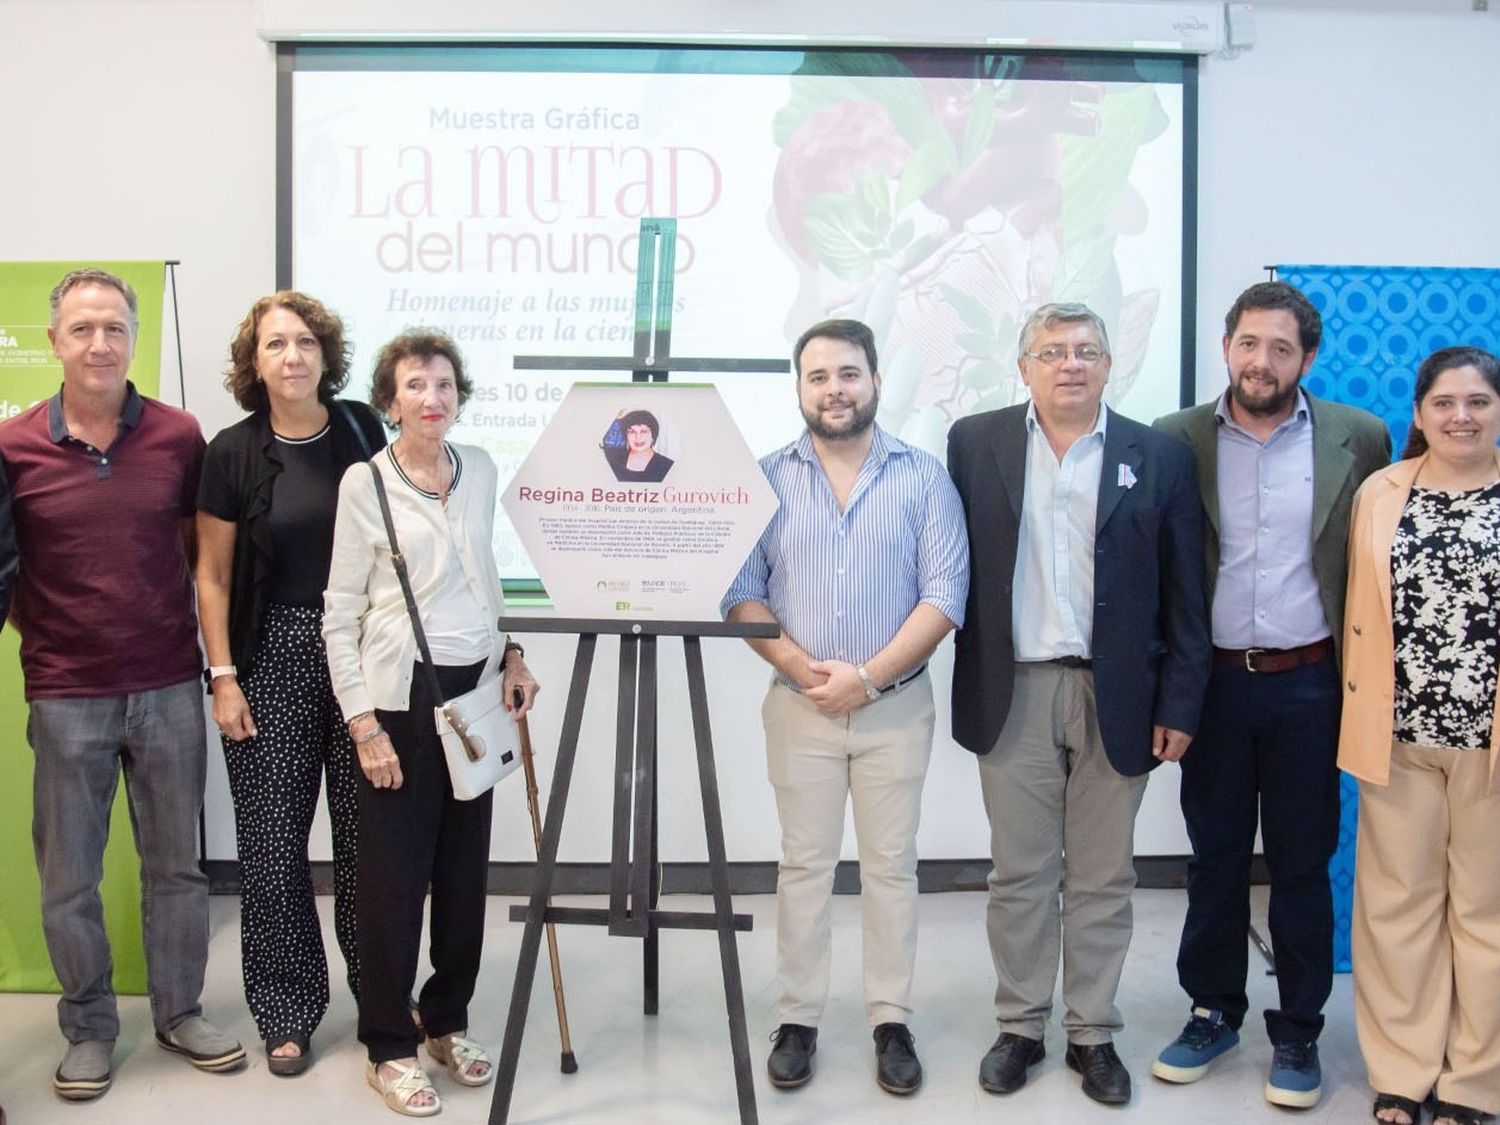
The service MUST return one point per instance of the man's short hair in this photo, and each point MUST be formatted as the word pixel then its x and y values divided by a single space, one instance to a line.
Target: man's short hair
pixel 1049 316
pixel 92 275
pixel 418 343
pixel 850 331
pixel 1278 295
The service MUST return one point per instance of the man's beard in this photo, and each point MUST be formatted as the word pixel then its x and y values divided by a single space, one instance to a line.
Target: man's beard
pixel 1263 405
pixel 861 418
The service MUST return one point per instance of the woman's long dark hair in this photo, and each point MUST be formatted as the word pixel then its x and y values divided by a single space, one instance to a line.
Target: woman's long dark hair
pixel 1446 359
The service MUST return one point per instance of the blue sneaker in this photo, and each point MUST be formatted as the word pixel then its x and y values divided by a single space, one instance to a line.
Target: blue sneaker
pixel 1296 1080
pixel 1204 1039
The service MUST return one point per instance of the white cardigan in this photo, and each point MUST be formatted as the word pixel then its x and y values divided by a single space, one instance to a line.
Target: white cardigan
pixel 366 627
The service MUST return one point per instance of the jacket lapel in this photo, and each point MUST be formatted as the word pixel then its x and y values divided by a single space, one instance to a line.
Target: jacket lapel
pixel 1120 449
pixel 1203 436
pixel 1332 463
pixel 1008 446
pixel 1385 516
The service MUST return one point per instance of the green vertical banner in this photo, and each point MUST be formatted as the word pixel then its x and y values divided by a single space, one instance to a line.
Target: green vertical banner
pixel 29 373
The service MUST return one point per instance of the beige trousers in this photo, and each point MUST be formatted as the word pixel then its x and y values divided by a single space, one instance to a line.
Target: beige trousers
pixel 1062 838
pixel 878 757
pixel 1426 928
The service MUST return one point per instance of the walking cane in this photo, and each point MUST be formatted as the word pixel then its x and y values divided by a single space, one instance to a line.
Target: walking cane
pixel 569 1061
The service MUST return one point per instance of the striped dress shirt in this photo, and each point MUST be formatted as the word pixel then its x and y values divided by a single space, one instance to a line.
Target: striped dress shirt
pixel 841 583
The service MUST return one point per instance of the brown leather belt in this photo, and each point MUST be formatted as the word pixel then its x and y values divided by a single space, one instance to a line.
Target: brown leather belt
pixel 1275 659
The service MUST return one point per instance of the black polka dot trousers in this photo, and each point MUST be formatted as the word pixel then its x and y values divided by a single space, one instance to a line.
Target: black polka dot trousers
pixel 274 779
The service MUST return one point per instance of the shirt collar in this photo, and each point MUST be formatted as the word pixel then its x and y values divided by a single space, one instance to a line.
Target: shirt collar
pixel 1303 409
pixel 1100 424
pixel 882 446
pixel 130 413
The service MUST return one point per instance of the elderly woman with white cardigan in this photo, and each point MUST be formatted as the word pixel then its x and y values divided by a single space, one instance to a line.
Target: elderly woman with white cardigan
pixel 1421 732
pixel 413 833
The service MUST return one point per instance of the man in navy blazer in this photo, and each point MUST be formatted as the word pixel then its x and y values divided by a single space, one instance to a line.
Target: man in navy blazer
pixel 1081 665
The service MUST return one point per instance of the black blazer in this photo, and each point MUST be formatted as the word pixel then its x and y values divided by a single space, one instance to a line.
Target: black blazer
pixel 1151 636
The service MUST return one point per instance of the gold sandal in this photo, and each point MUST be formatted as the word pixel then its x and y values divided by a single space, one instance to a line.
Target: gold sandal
pixel 461 1055
pixel 399 1089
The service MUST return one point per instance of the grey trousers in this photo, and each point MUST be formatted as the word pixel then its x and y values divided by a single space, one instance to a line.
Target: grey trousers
pixel 1062 832
pixel 81 745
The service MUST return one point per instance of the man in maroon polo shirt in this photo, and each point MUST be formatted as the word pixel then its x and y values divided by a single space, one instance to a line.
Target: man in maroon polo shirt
pixel 102 484
pixel 7 548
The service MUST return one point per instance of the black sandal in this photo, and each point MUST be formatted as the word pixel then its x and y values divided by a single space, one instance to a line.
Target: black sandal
pixel 288 1066
pixel 1408 1106
pixel 1463 1114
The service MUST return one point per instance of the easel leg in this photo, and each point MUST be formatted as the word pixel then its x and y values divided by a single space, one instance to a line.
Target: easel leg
pixel 651 947
pixel 643 852
pixel 620 921
pixel 718 866
pixel 531 937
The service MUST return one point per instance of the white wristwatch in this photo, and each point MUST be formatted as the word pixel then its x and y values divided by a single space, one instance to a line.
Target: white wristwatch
pixel 871 691
pixel 217 670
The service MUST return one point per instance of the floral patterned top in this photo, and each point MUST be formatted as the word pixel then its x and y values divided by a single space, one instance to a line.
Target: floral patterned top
pixel 1445 577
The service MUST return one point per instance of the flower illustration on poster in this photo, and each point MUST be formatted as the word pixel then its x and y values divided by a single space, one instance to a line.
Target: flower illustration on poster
pixel 943 211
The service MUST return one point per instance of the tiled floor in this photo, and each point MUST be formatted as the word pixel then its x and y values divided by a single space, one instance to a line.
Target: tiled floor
pixel 676 1066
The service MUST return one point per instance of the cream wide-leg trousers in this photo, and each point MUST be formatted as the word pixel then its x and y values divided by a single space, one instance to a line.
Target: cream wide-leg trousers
pixel 1426 928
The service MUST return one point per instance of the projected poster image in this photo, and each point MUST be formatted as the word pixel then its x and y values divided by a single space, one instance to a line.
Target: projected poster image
pixel 938 196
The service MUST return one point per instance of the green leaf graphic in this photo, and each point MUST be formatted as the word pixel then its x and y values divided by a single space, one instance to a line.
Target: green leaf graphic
pixel 980 128
pixel 1096 169
pixel 970 311
pixel 927 166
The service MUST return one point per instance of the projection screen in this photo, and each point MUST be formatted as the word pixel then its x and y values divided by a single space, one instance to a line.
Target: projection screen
pixel 938 195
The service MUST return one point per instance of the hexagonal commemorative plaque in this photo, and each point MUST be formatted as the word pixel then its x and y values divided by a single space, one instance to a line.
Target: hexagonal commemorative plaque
pixel 640 500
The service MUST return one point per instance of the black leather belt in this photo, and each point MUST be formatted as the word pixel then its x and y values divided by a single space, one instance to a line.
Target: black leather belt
pixel 1070 662
pixel 906 679
pixel 1275 659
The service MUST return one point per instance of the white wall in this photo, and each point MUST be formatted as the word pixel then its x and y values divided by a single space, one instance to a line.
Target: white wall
pixel 145 128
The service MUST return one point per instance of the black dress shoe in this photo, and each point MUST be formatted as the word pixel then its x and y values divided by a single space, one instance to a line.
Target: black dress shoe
pixel 1105 1078
pixel 1003 1068
pixel 790 1064
pixel 896 1067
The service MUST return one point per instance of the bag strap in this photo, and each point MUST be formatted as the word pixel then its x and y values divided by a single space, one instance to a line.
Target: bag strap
pixel 359 434
pixel 399 562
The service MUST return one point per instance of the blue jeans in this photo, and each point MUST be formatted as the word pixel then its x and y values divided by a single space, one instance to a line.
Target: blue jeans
pixel 81 745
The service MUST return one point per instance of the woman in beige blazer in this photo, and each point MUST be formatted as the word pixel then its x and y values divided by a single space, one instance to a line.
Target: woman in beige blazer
pixel 1421 644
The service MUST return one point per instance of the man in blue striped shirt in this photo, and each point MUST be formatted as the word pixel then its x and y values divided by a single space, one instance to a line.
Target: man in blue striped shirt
pixel 865 567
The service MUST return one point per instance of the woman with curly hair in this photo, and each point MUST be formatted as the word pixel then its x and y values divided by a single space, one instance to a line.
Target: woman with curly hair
pixel 266 506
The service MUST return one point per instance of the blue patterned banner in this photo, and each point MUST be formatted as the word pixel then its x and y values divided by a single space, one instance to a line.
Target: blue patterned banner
pixel 1379 323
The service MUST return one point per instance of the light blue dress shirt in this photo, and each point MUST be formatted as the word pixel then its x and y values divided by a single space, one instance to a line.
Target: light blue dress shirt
pixel 841 583
pixel 1266 594
pixel 1052 598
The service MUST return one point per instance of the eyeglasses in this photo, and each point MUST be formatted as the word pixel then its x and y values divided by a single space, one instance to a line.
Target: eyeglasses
pixel 1054 354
